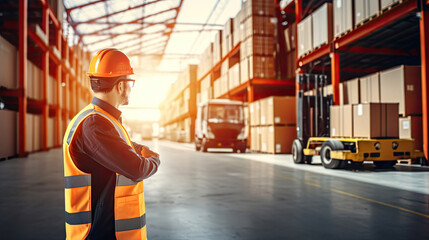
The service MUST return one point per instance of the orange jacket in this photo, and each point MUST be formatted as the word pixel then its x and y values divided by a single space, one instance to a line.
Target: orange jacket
pixel 130 221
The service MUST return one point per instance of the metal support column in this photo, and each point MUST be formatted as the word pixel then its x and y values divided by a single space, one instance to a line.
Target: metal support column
pixel 250 99
pixel 45 78
pixel 298 18
pixel 22 101
pixel 58 128
pixel 424 48
pixel 335 76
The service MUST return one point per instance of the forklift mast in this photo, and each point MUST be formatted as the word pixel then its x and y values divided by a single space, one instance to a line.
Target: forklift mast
pixel 312 111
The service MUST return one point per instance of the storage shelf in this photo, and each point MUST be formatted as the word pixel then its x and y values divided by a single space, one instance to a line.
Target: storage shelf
pixel 48 49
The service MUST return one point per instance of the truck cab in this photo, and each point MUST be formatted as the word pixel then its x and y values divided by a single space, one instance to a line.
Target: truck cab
pixel 220 124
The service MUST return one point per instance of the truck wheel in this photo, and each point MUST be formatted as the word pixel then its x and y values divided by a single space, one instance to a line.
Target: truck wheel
pixel 297 152
pixel 243 150
pixel 204 145
pixel 197 145
pixel 235 150
pixel 384 164
pixel 325 154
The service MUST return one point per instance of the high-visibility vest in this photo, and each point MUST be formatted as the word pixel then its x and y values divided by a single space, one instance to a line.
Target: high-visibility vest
pixel 130 219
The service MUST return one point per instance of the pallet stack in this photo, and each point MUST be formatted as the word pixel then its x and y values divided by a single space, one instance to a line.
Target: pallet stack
pixel 178 110
pixel 380 105
pixel 273 124
pixel 258 40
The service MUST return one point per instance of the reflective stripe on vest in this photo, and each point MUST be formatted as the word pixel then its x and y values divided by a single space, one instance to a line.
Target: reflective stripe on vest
pixel 130 215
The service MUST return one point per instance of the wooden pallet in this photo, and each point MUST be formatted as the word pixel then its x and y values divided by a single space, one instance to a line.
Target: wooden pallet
pixel 370 18
pixel 408 161
pixel 343 33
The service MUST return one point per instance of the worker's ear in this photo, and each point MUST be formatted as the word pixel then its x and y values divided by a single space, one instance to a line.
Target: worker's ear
pixel 120 86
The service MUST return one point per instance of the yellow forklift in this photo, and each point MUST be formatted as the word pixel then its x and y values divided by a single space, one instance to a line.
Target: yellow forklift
pixel 313 132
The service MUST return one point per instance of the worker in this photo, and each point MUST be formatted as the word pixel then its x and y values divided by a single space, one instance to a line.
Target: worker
pixel 103 168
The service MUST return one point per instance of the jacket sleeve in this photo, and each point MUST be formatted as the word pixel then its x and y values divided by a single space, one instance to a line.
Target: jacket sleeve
pixel 111 151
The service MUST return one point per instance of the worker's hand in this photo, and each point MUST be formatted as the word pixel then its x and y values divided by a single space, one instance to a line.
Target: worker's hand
pixel 146 152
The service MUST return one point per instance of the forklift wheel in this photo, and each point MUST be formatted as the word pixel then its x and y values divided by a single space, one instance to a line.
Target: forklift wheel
pixel 297 152
pixel 325 154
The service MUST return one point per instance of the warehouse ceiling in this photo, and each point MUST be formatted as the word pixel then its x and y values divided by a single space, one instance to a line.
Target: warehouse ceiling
pixel 138 27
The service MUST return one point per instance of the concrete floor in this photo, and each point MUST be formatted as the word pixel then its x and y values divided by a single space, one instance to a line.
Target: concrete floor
pixel 221 195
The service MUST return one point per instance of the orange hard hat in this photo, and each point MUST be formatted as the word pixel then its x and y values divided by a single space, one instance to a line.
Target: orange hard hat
pixel 110 62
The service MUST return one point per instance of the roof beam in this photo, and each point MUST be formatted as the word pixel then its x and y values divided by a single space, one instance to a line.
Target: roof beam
pixel 118 24
pixel 139 35
pixel 114 13
pixel 83 5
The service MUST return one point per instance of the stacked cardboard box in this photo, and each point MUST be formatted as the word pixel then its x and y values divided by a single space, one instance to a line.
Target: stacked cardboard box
pixel 369 120
pixel 322 25
pixel 8 130
pixel 343 16
pixel 387 3
pixel 258 40
pixel 228 37
pixel 341 121
pixel 411 128
pixel 217 47
pixel 370 88
pixel 206 61
pixel 236 30
pixel 234 76
pixel 315 30
pixel 402 85
pixel 8 64
pixel 305 36
pixel 375 120
pixel 290 35
pixel 273 120
pixel 349 92
pixel 365 9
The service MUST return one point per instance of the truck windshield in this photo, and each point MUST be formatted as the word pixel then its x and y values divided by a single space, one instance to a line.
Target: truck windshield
pixel 228 113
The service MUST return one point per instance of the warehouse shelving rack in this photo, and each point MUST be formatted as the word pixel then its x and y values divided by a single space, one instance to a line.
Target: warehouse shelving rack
pixel 47 47
pixel 392 38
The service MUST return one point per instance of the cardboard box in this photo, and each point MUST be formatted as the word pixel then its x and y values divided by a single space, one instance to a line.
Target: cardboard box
pixel 349 92
pixel 335 121
pixel 322 25
pixel 217 47
pixel 255 139
pixel 260 25
pixel 341 121
pixel 290 35
pixel 411 128
pixel 402 85
pixel 261 67
pixel 347 121
pixel 8 129
pixel 375 120
pixel 244 70
pixel 370 88
pixel 387 3
pixel 343 16
pixel 280 138
pixel 278 111
pixel 264 138
pixel 260 45
pixel 305 36
pixel 255 113
pixel 364 9
pixel 236 28
pixel 8 64
pixel 234 76
pixel 258 7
